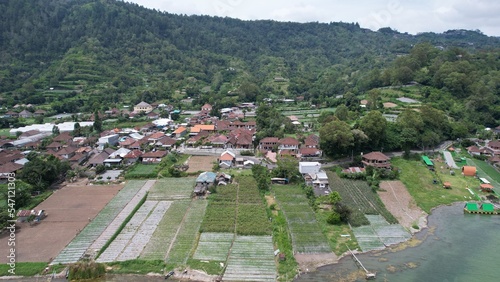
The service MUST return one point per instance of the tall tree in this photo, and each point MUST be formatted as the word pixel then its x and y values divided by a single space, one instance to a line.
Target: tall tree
pixel 97 121
pixel 374 125
pixel 336 138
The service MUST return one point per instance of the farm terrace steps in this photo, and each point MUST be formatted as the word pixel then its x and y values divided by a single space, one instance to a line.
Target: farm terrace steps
pixel 120 218
pixel 127 244
pixel 76 249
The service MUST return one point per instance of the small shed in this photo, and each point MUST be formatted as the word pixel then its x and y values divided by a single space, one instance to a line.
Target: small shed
pixel 485 187
pixel 471 207
pixel 427 161
pixel 488 207
pixel 469 170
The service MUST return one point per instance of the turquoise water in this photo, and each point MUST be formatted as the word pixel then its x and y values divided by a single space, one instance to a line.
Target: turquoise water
pixel 456 247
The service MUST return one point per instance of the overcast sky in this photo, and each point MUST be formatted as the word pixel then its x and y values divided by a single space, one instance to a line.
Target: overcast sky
pixel 404 16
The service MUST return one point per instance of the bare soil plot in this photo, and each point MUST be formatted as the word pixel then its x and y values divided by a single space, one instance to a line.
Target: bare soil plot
pixel 400 203
pixel 201 163
pixel 69 210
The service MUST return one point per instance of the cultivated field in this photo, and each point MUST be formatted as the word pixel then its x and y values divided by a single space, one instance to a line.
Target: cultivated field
pixel 360 197
pixel 251 259
pixel 135 235
pixel 185 238
pixel 307 236
pixel 172 189
pixel 379 234
pixel 213 246
pixel 164 235
pixel 201 163
pixel 81 243
pixel 399 202
pixel 69 210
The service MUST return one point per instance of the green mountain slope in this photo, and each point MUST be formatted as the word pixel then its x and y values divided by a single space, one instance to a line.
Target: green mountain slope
pixel 111 51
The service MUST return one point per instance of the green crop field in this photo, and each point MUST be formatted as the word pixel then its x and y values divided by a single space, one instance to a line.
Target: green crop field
pixel 142 171
pixel 360 198
pixel 172 188
pixel 187 234
pixel 307 236
pixel 157 247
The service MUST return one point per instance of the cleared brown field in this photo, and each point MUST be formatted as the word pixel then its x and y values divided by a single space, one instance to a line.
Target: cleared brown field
pixel 400 203
pixel 69 210
pixel 201 163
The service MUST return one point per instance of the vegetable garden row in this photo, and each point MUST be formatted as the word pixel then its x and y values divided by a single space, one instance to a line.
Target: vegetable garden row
pixel 81 243
pixel 357 195
pixel 307 236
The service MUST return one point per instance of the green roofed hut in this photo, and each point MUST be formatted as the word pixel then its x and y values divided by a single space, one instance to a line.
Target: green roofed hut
pixel 488 207
pixel 471 207
pixel 427 161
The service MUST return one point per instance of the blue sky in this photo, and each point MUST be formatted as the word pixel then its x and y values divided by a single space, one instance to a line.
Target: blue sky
pixel 405 16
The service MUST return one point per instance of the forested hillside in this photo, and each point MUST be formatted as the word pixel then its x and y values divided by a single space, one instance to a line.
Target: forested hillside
pixel 113 52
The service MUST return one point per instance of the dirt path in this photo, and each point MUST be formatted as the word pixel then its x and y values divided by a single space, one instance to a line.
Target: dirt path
pixel 400 203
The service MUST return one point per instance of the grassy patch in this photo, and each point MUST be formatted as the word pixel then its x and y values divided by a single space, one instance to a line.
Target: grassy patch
pixel 24 269
pixel 288 268
pixel 210 267
pixel 142 171
pixel 485 168
pixel 137 266
pixel 419 182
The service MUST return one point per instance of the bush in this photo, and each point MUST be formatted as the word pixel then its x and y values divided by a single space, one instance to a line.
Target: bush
pixel 334 218
pixel 86 270
pixel 247 153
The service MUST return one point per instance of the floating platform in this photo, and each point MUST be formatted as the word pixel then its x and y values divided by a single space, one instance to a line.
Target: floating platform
pixel 483 208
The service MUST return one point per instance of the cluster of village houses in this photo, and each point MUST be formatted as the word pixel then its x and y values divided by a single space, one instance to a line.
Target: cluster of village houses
pixel 148 144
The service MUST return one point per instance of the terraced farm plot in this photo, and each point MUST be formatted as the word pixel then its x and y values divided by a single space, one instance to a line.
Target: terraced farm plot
pixel 379 234
pixel 172 189
pixel 120 218
pixel 126 245
pixel 187 233
pixel 307 236
pixel 213 246
pixel 143 235
pixel 251 259
pixel 157 247
pixel 81 243
pixel 360 197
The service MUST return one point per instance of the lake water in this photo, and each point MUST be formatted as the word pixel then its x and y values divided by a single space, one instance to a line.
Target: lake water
pixel 456 247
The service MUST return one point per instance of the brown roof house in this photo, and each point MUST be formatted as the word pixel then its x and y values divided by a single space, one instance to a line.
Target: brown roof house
pixel 153 157
pixel 268 143
pixel 376 159
pixel 289 144
pixel 132 157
